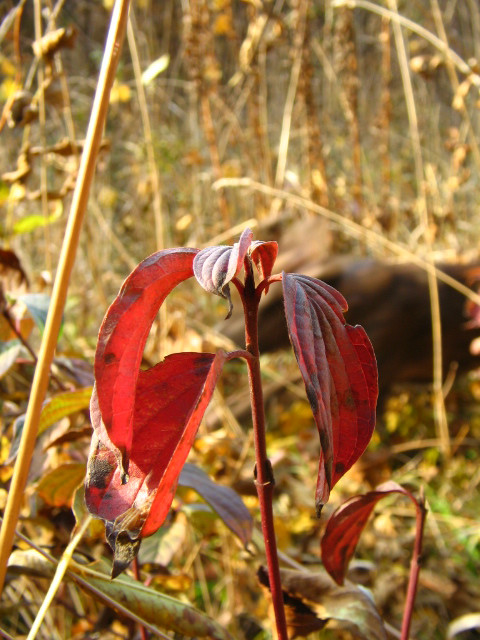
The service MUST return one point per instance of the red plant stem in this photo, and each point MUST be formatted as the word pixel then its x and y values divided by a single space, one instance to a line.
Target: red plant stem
pixel 264 480
pixel 414 568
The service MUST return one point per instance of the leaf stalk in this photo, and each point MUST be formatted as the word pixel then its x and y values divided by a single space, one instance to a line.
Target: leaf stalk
pixel 415 565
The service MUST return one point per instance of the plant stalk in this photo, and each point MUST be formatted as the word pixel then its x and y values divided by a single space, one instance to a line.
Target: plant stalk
pixel 89 588
pixel 264 480
pixel 67 257
pixel 414 567
pixel 60 571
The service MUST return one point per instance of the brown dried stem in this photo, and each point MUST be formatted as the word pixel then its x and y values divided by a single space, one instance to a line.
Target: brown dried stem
pixel 65 266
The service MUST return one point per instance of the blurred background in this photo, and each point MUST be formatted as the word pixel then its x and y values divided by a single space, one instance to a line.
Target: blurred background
pixel 346 131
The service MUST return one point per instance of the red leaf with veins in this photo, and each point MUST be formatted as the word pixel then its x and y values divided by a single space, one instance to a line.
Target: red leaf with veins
pixel 123 334
pixel 339 370
pixel 346 525
pixel 215 267
pixel 170 400
pixel 144 421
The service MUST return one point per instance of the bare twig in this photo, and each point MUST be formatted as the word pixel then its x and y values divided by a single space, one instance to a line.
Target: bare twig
pixel 42 120
pixel 352 228
pixel 438 399
pixel 395 17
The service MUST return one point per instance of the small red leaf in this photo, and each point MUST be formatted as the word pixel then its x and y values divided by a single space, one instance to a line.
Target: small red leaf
pixel 339 370
pixel 264 255
pixel 124 332
pixel 215 267
pixel 170 401
pixel 346 525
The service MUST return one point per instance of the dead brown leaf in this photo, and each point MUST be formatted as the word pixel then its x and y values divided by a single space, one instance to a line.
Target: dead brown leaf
pixel 313 599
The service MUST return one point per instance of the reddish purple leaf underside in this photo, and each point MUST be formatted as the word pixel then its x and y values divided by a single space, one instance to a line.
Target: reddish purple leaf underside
pixel 223 500
pixel 215 267
pixel 339 370
pixel 346 525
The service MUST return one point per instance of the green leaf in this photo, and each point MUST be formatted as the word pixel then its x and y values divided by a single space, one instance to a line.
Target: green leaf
pixel 165 543
pixel 54 409
pixel 31 563
pixel 153 607
pixel 62 405
pixel 79 507
pixel 35 221
pixel 37 305
pixel 58 486
pixel 17 429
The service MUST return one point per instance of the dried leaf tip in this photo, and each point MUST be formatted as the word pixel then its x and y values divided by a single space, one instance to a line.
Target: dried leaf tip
pixel 125 550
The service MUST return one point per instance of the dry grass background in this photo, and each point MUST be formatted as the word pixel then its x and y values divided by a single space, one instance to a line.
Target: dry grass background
pixel 363 114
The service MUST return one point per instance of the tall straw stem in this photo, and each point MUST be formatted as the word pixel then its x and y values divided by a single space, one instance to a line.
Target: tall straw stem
pixel 67 257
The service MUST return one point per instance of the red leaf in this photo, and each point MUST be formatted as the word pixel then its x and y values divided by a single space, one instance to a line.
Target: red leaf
pixel 170 401
pixel 215 267
pixel 264 255
pixel 339 370
pixel 123 334
pixel 346 525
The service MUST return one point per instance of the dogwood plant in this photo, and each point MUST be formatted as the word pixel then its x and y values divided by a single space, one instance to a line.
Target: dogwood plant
pixel 145 422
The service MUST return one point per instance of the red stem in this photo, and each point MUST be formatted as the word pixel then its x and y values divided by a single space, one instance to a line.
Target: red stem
pixel 264 480
pixel 414 568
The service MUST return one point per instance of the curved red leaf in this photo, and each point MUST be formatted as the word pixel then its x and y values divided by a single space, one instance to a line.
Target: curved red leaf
pixel 264 255
pixel 339 370
pixel 215 267
pixel 346 525
pixel 124 332
pixel 170 401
